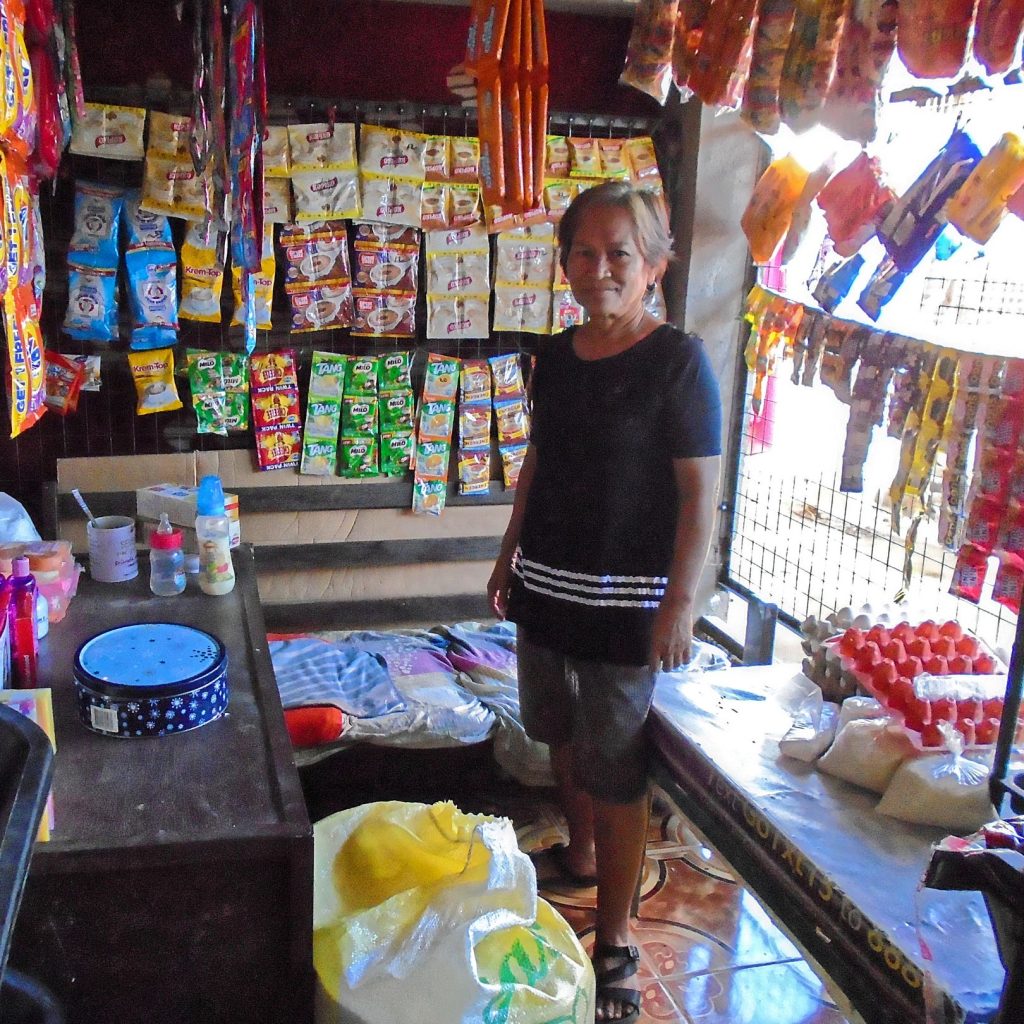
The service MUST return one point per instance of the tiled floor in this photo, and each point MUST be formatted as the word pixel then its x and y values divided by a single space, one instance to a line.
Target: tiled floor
pixel 709 954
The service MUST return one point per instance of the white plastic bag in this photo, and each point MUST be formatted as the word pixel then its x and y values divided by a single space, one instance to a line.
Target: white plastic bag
pixel 813 728
pixel 867 753
pixel 15 523
pixel 423 914
pixel 947 790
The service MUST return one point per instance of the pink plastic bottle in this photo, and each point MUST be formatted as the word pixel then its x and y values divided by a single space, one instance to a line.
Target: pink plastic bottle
pixel 22 623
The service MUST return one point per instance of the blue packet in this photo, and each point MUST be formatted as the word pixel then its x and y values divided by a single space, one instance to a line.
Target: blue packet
pixel 153 293
pixel 97 213
pixel 144 230
pixel 913 224
pixel 92 303
pixel 885 282
pixel 836 283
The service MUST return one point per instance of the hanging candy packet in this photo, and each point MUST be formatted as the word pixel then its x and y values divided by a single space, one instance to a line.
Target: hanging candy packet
pixel 209 396
pixel 92 303
pixel 867 406
pixel 275 408
pixel 969 573
pixel 91 369
pixel 997 31
pixel 1009 581
pixel 202 273
pixel 770 210
pixel 760 106
pixel 170 135
pixel 933 36
pixel 64 379
pixel 810 61
pixel 110 132
pixel 883 284
pixel 854 202
pixel 153 373
pixel 835 284
pixel 978 208
pixel 913 224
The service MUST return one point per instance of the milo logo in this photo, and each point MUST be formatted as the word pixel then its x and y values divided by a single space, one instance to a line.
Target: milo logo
pixel 363 366
pixel 394 404
pixel 360 409
pixel 206 363
pixel 393 362
pixel 324 186
pixel 358 450
pixel 398 444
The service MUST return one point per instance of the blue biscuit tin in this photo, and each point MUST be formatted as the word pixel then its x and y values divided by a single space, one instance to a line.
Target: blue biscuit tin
pixel 150 679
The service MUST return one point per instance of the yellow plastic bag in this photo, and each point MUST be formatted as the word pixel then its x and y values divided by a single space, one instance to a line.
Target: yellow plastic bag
pixel 425 914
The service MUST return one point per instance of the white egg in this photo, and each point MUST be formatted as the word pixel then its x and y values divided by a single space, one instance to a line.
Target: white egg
pixel 844 617
pixel 883 618
pixel 867 609
pixel 863 621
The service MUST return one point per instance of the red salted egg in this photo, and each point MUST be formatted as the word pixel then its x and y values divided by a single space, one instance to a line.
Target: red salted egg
pixel 910 667
pixel 966 728
pixel 944 709
pixel 851 642
pixel 936 665
pixel 984 664
pixel 880 635
pixel 902 631
pixel 917 714
pixel 919 647
pixel 868 657
pixel 895 651
pixel 928 630
pixel 987 730
pixel 952 629
pixel 969 708
pixel 960 665
pixel 945 647
pixel 931 736
pixel 967 645
pixel 883 676
pixel 992 708
pixel 901 694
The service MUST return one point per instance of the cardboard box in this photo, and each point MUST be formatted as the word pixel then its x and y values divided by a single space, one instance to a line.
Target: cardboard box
pixel 179 502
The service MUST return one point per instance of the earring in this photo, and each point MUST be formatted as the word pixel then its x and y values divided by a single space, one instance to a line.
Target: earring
pixel 651 287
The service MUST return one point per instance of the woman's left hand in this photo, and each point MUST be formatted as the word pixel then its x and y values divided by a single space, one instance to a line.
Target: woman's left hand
pixel 672 636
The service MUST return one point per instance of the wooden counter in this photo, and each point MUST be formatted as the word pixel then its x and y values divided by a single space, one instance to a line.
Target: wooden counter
pixel 178 882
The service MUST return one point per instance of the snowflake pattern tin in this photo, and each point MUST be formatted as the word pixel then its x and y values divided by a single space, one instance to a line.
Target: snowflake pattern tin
pixel 150 679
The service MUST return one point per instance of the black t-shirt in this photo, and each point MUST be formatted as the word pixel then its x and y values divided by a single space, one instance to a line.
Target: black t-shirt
pixel 598 532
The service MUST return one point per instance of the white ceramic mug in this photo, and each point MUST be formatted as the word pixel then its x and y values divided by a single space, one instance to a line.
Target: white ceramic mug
pixel 112 557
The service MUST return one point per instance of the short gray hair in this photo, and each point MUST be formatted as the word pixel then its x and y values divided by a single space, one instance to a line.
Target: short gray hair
pixel 646 207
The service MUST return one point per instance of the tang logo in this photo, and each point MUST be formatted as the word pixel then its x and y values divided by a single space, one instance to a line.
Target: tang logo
pixel 313 450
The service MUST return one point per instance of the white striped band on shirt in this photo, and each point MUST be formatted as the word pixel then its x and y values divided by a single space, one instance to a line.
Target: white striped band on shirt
pixel 604 591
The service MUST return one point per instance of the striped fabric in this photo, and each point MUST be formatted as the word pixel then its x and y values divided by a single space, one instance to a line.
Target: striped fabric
pixel 595 590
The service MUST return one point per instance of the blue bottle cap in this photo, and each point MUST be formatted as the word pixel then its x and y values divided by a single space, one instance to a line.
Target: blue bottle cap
pixel 210 499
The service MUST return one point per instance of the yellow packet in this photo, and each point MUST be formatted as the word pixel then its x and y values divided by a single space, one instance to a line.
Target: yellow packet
pixel 277 201
pixel 322 147
pixel 153 373
pixel 169 135
pixel 111 132
pixel 277 153
pixel 263 283
pixel 613 158
pixel 641 158
pixel 172 187
pixel 202 274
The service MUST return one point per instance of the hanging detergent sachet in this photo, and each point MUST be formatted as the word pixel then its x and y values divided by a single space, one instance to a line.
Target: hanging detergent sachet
pixel 912 225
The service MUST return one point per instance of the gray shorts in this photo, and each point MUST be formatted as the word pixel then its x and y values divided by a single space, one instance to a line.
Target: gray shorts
pixel 597 708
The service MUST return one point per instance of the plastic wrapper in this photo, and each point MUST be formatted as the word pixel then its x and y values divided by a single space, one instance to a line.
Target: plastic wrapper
pixel 169 135
pixel 854 202
pixel 429 496
pixel 769 213
pixel 277 201
pixel 323 414
pixel 524 309
pixel 359 415
pixel 153 373
pixel 153 294
pixel 865 49
pixel 441 381
pixel 209 396
pixel 801 216
pixel 325 195
pixel 397 410
pixel 525 257
pixel 390 200
pixel 175 189
pixel 319 147
pixel 978 208
pixel 810 61
pixel 760 106
pixel 882 286
pixel 97 214
pixel 396 370
pixel 866 753
pixel 474 471
pixel 997 31
pixel 110 132
pixel 456 317
pixel 383 314
pixel 92 303
pixel 933 36
pixel 275 403
pixel 325 307
pixel 262 284
pixel 27 372
pixel 649 53
pixel 202 274
pixel 512 456
pixel 64 379
pixel 475 381
pixel 315 254
pixel 396 452
pixel 813 729
pixel 720 66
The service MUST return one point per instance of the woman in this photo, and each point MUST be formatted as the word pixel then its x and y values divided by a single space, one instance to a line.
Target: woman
pixel 604 549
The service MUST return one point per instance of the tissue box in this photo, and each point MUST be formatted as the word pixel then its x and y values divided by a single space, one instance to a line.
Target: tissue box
pixel 180 505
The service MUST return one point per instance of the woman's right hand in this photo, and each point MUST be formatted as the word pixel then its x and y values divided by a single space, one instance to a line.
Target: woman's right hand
pixel 498 586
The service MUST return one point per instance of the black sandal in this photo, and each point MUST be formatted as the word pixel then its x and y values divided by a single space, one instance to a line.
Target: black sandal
pixel 608 989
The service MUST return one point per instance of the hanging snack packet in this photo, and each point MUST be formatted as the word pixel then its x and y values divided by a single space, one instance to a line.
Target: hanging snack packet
pixel 325 307
pixel 396 451
pixel 511 463
pixel 383 315
pixel 649 54
pixel 153 373
pixel 913 224
pixel 359 416
pixel 276 152
pixel 556 157
pixel 465 166
pixel 327 374
pixel 526 256
pixel 316 256
pixel 770 210
pixel 456 317
pixel 153 294
pixel 435 206
pixel 277 201
pixel 319 457
pixel 278 449
pixel 209 397
pixel 432 460
pixel 1009 581
pixel 978 208
pixel 437 419
pixel 475 381
pixel 441 381
pixel 323 414
pixel 882 286
pixel 997 32
pixel 613 158
pixel 97 212
pixel 437 158
pixel 475 471
pixel 275 408
pixel 524 309
pixel 92 303
pixel 389 151
pixel 325 195
pixel 933 36
pixel 585 158
pixel 64 379
pixel 810 62
pixel 760 107
pixel 397 410
pixel 263 282
pixel 969 573
pixel 396 370
pixel 236 384
pixel 323 146
pixel 566 310
pixel 508 376
pixel 475 425
pixel 202 273
pixel 429 496
pixel 170 135
pixel 391 200
pixel 114 133
pixel 359 456
pixel 173 187
pixel 362 374
pixel 513 420
pixel 144 230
